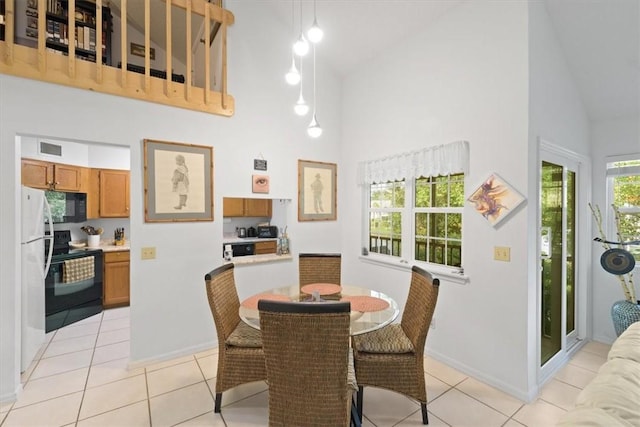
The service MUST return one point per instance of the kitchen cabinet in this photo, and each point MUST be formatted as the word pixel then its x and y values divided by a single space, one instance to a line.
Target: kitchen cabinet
pixel 237 207
pixel 116 279
pixel 51 176
pixel 269 247
pixel 108 195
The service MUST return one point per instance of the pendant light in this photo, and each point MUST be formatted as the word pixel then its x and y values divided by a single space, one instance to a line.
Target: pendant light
pixel 315 33
pixel 301 108
pixel 301 46
pixel 314 130
pixel 293 76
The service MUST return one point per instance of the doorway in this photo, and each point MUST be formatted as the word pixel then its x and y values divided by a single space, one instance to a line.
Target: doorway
pixel 561 279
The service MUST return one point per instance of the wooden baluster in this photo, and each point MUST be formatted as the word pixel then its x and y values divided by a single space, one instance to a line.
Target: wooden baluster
pixel 98 41
pixel 207 54
pixel 188 31
pixel 147 47
pixel 168 83
pixel 123 43
pixel 42 36
pixel 71 31
pixel 223 83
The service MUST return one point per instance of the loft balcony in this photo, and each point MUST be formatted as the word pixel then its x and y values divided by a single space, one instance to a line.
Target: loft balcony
pixel 139 41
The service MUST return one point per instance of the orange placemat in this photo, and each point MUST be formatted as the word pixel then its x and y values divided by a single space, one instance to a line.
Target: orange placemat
pixel 321 288
pixel 365 303
pixel 252 302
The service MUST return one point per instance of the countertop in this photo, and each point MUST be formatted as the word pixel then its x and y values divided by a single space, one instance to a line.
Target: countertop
pixel 107 245
pixel 231 240
pixel 258 259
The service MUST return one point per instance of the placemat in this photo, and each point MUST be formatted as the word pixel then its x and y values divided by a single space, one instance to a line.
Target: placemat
pixel 252 302
pixel 321 288
pixel 365 303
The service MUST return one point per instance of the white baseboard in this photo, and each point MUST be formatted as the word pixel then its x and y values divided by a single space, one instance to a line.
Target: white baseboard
pixel 134 364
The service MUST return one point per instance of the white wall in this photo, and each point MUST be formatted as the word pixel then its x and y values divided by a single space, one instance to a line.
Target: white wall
pixel 608 138
pixel 169 311
pixel 464 78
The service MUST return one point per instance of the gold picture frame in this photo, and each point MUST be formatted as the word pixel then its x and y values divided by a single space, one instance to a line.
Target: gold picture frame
pixel 139 50
pixel 317 191
pixel 178 182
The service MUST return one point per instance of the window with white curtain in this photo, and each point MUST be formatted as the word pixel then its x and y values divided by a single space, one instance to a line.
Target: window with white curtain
pixel 414 204
pixel 623 183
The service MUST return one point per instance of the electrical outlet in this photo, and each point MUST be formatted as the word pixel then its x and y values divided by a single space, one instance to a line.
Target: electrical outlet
pixel 502 253
pixel 149 253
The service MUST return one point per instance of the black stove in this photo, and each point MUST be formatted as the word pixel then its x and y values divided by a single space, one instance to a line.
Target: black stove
pixel 69 297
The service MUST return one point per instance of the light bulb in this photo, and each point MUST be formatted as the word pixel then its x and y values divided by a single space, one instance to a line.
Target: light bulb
pixel 293 76
pixel 314 130
pixel 301 46
pixel 301 108
pixel 315 33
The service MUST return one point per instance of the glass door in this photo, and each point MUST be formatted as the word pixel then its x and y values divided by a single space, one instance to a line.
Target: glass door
pixel 557 257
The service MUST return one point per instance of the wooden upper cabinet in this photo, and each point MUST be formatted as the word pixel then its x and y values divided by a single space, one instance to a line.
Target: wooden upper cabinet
pixel 235 207
pixel 232 206
pixel 257 207
pixel 114 193
pixel 51 176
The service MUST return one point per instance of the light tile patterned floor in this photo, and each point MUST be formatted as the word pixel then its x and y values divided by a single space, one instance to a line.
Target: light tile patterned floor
pixel 80 378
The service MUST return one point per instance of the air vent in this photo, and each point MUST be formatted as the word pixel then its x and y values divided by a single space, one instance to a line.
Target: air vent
pixel 53 149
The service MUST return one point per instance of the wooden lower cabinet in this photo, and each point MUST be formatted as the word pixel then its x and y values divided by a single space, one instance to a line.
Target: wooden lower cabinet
pixel 269 247
pixel 116 279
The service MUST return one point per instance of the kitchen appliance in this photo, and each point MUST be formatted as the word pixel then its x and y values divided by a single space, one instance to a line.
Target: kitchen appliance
pixel 35 266
pixel 67 207
pixel 73 286
pixel 267 232
pixel 251 232
pixel 242 232
pixel 240 249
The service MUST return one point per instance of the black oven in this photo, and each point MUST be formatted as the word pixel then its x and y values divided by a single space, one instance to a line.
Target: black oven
pixel 241 249
pixel 73 286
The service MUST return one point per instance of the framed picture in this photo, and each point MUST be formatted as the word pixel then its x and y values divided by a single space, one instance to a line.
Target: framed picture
pixel 138 50
pixel 178 182
pixel 260 183
pixel 317 191
pixel 495 199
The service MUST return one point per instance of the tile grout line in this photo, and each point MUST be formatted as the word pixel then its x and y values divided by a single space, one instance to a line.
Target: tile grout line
pixel 146 384
pixel 86 381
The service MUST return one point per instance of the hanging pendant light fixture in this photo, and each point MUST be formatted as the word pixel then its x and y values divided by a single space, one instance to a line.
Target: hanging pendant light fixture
pixel 301 46
pixel 315 33
pixel 314 130
pixel 301 108
pixel 293 76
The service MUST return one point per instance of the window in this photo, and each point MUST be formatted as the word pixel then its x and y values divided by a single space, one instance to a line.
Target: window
pixel 623 182
pixel 436 211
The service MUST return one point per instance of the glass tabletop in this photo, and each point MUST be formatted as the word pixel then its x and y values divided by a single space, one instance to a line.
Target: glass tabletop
pixel 370 310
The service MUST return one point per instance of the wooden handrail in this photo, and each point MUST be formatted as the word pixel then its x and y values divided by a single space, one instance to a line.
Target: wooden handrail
pixel 42 64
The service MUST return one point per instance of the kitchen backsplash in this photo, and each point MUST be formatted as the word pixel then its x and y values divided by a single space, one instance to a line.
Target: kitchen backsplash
pixel 108 225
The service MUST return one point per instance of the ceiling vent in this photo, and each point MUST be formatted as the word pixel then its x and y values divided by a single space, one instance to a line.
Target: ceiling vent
pixel 53 149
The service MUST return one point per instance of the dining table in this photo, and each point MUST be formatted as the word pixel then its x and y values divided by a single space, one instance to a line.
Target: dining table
pixel 370 309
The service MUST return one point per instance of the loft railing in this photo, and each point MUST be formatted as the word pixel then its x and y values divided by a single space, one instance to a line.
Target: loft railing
pixel 40 63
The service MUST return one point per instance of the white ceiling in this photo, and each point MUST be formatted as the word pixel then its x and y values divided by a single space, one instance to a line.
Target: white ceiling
pixel 600 39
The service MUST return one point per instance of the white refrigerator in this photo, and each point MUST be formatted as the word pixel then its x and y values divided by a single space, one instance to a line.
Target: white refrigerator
pixel 35 212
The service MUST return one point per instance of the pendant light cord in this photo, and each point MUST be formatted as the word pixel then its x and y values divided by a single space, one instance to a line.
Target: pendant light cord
pixel 314 80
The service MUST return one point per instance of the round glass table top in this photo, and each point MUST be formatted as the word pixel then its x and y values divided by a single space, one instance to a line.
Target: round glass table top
pixel 370 310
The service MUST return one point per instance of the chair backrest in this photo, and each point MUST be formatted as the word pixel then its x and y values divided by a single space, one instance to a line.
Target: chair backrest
pixel 421 303
pixel 319 268
pixel 306 348
pixel 223 300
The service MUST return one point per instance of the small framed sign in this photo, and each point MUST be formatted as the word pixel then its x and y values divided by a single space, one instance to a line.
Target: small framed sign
pixel 260 164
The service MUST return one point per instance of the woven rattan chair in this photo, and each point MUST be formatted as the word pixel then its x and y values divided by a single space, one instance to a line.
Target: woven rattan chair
pixel 307 353
pixel 319 268
pixel 393 357
pixel 240 356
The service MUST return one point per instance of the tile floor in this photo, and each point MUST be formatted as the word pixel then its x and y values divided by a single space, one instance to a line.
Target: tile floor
pixel 80 378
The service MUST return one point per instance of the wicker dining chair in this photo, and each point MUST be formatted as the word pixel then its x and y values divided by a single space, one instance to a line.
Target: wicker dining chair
pixel 240 355
pixel 393 357
pixel 307 353
pixel 319 268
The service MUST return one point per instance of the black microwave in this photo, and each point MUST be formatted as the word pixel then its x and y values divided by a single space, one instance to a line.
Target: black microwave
pixel 67 207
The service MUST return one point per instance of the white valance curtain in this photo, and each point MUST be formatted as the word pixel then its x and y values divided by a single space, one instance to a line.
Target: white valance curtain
pixel 443 159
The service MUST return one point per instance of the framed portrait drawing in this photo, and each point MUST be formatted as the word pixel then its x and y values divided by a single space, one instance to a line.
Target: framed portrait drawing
pixel 495 199
pixel 317 191
pixel 260 184
pixel 178 182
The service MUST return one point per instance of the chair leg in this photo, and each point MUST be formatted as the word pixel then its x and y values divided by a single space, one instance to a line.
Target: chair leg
pixel 359 403
pixel 216 408
pixel 425 417
pixel 356 420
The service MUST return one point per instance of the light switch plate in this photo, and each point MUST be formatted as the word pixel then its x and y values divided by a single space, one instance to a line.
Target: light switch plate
pixel 502 253
pixel 148 253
